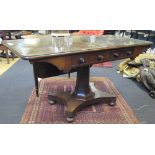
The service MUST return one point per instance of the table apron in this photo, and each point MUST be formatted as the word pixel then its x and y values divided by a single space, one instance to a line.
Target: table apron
pixel 68 62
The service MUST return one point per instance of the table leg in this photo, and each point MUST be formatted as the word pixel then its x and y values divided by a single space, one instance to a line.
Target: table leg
pixel 36 79
pixel 85 94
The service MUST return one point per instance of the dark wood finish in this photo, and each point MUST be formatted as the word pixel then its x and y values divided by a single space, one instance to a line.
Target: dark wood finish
pixel 46 46
pixel 75 103
pixel 61 65
pixel 49 60
pixel 82 89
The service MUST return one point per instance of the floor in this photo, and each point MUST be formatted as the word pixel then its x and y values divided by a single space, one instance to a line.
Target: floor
pixel 5 66
pixel 17 83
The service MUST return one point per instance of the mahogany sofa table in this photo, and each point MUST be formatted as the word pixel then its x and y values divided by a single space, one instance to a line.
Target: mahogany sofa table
pixel 53 55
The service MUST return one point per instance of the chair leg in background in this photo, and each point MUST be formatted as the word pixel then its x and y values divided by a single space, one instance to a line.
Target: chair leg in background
pixel 7 56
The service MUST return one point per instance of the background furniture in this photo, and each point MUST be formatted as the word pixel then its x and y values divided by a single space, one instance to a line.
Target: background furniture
pixel 3 48
pixel 137 34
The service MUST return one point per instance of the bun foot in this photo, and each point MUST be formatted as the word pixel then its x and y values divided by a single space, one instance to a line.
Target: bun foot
pixel 112 103
pixel 69 119
pixel 52 102
pixel 152 94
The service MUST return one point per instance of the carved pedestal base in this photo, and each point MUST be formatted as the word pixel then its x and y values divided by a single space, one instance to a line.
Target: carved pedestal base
pixel 73 103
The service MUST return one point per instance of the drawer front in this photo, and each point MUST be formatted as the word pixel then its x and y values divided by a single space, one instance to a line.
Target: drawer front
pixel 88 58
pixel 102 56
pixel 98 57
pixel 120 54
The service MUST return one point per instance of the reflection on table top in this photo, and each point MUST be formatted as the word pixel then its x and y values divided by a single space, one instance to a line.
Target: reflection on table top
pixel 35 46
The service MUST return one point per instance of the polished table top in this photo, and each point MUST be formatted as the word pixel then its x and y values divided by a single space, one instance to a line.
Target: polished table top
pixel 36 46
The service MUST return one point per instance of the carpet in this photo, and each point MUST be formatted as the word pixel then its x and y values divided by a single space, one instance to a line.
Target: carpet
pixel 104 64
pixel 40 112
pixel 4 66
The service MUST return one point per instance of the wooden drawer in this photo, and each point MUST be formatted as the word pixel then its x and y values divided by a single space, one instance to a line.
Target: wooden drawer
pixel 88 58
pixel 98 57
pixel 120 54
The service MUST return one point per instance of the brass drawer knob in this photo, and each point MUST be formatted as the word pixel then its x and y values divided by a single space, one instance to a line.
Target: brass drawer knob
pixel 100 57
pixel 81 60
